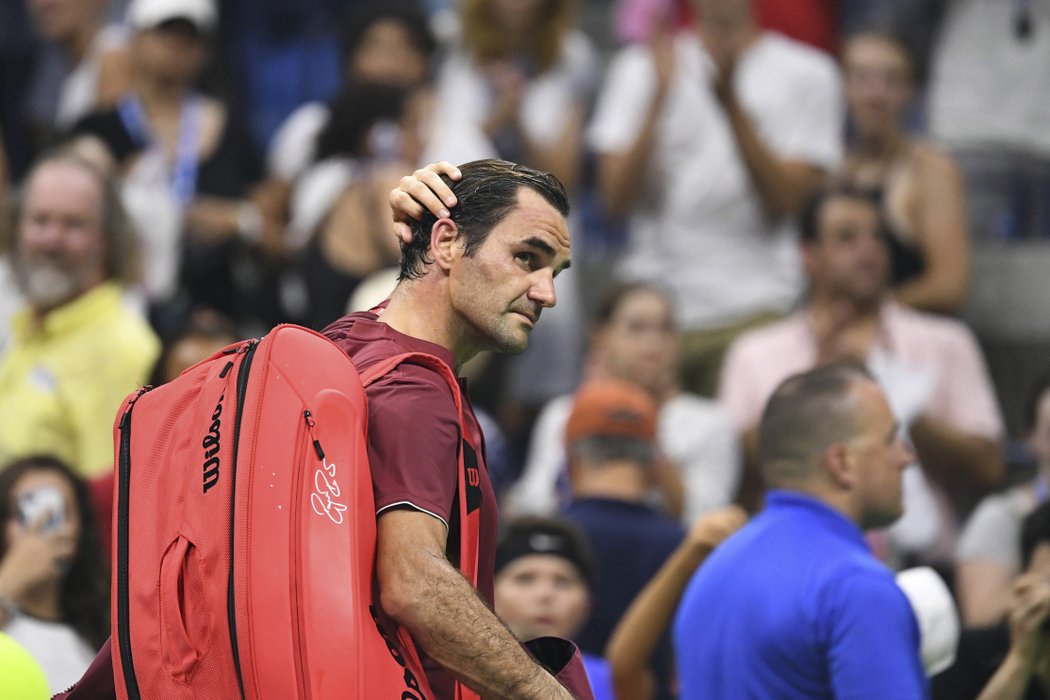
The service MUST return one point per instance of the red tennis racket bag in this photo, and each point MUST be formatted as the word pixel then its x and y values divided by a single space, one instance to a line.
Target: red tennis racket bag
pixel 245 532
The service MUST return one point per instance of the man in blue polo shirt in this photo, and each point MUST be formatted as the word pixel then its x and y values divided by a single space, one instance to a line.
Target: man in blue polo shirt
pixel 794 605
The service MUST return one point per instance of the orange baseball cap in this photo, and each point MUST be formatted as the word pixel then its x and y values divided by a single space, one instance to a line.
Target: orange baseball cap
pixel 612 408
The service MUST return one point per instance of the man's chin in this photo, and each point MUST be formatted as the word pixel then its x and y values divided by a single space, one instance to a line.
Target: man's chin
pixel 46 288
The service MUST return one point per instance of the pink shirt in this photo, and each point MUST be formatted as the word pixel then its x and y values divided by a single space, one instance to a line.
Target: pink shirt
pixel 962 395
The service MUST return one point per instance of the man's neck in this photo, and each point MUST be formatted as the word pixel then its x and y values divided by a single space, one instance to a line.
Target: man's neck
pixel 617 480
pixel 418 308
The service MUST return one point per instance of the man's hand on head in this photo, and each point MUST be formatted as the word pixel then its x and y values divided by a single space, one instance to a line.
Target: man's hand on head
pixel 422 191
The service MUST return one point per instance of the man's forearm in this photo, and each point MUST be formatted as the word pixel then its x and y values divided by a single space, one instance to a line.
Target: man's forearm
pixel 620 175
pixel 949 454
pixel 782 187
pixel 1010 681
pixel 455 627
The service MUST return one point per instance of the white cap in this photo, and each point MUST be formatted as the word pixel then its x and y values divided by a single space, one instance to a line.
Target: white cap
pixel 146 14
pixel 935 612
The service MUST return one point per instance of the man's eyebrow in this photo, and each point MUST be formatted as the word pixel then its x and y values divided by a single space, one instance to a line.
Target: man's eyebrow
pixel 543 245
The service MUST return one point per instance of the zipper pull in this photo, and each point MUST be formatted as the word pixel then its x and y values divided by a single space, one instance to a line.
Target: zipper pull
pixel 311 424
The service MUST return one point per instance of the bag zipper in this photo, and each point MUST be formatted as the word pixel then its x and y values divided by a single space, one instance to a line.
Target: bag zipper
pixel 306 437
pixel 231 608
pixel 123 515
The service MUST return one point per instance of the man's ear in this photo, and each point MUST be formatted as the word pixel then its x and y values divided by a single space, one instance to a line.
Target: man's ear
pixel 839 466
pixel 445 243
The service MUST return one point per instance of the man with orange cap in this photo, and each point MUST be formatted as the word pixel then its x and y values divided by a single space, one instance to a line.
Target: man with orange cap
pixel 611 443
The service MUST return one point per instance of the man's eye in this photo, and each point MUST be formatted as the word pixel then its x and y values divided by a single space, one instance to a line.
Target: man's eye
pixel 526 258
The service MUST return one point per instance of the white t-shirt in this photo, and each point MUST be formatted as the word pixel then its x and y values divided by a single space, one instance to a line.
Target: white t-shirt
pixel 694 433
pixel 698 224
pixel 989 87
pixel 62 655
pixel 993 532
pixel 294 146
pixel 464 100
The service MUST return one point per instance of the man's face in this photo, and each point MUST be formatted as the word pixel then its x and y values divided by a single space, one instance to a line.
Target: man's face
pixel 386 54
pixel 173 52
pixel 61 246
pixel 879 456
pixel 849 259
pixel 542 595
pixel 639 343
pixel 878 83
pixel 499 291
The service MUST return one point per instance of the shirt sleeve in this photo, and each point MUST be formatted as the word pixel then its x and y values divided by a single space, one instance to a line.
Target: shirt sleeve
pixel 413 442
pixel 992 534
pixel 812 128
pixel 708 459
pixel 873 640
pixel 966 398
pixel 536 491
pixel 623 102
pixel 738 389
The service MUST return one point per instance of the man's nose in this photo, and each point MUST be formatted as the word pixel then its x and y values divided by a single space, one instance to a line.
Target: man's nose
pixel 542 289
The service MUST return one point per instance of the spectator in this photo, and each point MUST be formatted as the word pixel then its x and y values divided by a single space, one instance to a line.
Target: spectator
pixel 610 439
pixel 794 605
pixel 989 555
pixel 544 578
pixel 646 621
pixel 54 588
pixel 206 334
pixel 1010 659
pixel 76 350
pixel 635 339
pixel 709 141
pixel 517 86
pixel 930 367
pixel 387 43
pixel 920 188
pixel 987 104
pixel 92 62
pixel 190 173
pixel 340 217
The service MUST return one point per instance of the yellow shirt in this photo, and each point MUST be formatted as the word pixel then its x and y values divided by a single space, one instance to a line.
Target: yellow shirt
pixel 63 378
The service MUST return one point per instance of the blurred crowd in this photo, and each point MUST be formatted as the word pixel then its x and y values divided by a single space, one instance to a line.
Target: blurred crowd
pixel 759 188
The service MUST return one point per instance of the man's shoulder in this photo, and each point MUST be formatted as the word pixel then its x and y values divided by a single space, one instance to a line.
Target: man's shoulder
pixel 944 331
pixel 764 341
pixel 788 55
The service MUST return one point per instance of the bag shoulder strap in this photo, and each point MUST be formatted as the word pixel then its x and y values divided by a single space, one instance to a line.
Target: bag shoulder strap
pixel 469 522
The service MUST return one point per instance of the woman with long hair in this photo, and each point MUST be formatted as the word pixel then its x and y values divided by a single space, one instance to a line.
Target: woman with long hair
pixel 54 581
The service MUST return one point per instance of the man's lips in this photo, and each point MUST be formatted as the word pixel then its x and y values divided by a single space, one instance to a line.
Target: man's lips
pixel 530 317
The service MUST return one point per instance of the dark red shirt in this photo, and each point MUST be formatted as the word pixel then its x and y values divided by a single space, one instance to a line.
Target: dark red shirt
pixel 413 442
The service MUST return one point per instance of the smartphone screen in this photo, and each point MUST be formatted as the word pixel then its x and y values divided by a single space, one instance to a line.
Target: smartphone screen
pixel 34 503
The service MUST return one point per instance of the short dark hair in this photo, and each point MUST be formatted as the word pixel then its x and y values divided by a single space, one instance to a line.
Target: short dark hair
pixel 600 449
pixel 809 217
pixel 84 591
pixel 486 193
pixel 1035 530
pixel 807 413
